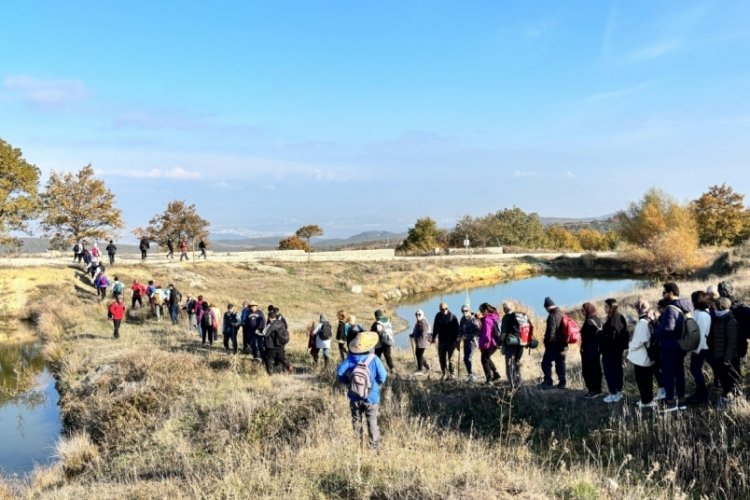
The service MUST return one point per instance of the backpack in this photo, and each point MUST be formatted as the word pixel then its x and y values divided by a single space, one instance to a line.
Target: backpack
pixel 497 335
pixel 690 337
pixel 76 248
pixel 571 332
pixel 386 334
pixel 281 338
pixel 206 321
pixel 525 329
pixel 102 281
pixel 117 288
pixel 359 380
pixel 325 332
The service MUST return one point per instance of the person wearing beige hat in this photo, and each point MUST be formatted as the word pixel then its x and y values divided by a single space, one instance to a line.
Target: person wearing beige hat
pixel 364 373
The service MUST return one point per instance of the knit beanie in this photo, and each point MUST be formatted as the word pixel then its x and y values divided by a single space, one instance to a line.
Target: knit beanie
pixel 548 302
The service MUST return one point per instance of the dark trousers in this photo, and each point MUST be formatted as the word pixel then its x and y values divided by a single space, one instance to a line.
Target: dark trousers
pixel 673 370
pixel 644 379
pixel 342 350
pixel 174 313
pixel 386 351
pixel 421 362
pixel 102 292
pixel 490 370
pixel 696 370
pixel 183 255
pixel 469 348
pixel 143 254
pixel 136 298
pixel 513 355
pixel 445 356
pixel 729 375
pixel 207 333
pixel 230 336
pixel 362 410
pixel 116 323
pixel 170 254
pixel 111 259
pixel 556 356
pixel 203 253
pixel 258 345
pixel 275 357
pixel 613 372
pixel 591 368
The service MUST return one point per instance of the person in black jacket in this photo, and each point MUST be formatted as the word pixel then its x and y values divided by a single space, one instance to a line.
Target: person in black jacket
pixel 111 251
pixel 341 334
pixel 591 357
pixel 276 338
pixel 445 330
pixel 613 343
pixel 144 246
pixel 555 347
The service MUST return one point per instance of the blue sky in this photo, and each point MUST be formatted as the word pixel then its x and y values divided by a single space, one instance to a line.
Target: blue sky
pixel 366 115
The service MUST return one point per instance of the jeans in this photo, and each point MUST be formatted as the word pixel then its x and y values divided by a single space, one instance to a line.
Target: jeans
pixel 613 371
pixel 644 380
pixel 673 370
pixel 111 259
pixel 469 348
pixel 445 356
pixel 696 370
pixel 556 356
pixel 362 410
pixel 490 370
pixel 513 355
pixel 116 323
pixel 174 312
pixel 421 362
pixel 230 336
pixel 326 356
pixel 258 346
pixel 183 255
pixel 385 351
pixel 591 368
pixel 275 357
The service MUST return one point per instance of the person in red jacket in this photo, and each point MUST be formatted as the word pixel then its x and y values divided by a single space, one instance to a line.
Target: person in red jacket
pixel 117 313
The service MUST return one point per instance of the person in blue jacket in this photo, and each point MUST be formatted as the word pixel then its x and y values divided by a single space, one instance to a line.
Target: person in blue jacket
pixel 667 332
pixel 364 408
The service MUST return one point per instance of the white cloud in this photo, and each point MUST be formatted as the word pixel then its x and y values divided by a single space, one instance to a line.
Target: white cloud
pixel 153 173
pixel 570 174
pixel 523 173
pixel 45 92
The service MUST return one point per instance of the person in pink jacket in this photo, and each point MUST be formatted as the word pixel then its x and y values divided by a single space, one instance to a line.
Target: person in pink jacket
pixel 487 346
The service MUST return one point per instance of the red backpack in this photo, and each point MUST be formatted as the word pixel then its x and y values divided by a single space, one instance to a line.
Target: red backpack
pixel 525 329
pixel 571 332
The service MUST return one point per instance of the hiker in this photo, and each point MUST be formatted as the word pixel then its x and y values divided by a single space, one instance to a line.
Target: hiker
pixel 638 354
pixel 111 251
pixel 206 320
pixel 252 331
pixel 724 345
pixel 144 246
pixel 216 316
pixel 668 331
pixel 189 308
pixel 276 338
pixel 173 302
pixel 445 330
pixel 383 327
pixel 701 305
pixel 202 248
pixel 95 252
pixel 511 347
pixel 555 346
pixel 422 338
pixel 157 301
pixel 613 343
pixel 488 316
pixel 230 325
pixel 170 248
pixel 137 290
pixel 741 313
pixel 77 255
pixel 198 311
pixel 468 334
pixel 364 373
pixel 591 356
pixel 341 334
pixel 86 257
pixel 116 312
pixel 353 328
pixel 102 283
pixel 117 287
pixel 184 248
pixel 322 334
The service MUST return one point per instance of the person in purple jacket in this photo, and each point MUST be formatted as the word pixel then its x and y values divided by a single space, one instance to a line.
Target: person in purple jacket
pixel 488 316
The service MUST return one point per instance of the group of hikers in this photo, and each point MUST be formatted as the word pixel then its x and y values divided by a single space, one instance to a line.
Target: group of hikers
pixel 91 256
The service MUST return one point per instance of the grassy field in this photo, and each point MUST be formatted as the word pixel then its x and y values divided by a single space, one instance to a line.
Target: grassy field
pixel 154 415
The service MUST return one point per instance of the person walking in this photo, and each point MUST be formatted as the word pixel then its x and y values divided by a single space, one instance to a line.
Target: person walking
pixel 102 283
pixel 202 248
pixel 230 324
pixel 341 333
pixel 95 252
pixel 701 305
pixel 321 341
pixel 724 346
pixel 468 334
pixel 173 302
pixel 638 355
pixel 206 320
pixel 445 330
pixel 138 291
pixel 364 374
pixel 555 347
pixel 614 342
pixel 77 252
pixel 252 331
pixel 511 348
pixel 488 316
pixel 117 287
pixel 189 308
pixel 383 327
pixel 422 337
pixel 591 356
pixel 116 312
pixel 144 246
pixel 668 332
pixel 170 248
pixel 111 251
pixel 276 338
pixel 184 246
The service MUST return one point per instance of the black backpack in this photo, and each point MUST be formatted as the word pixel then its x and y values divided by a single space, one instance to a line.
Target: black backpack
pixel 281 334
pixel 76 248
pixel 325 332
pixel 206 321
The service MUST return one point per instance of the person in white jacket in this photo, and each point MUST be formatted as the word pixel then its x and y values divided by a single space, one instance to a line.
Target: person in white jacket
pixel 638 355
pixel 701 303
pixel 321 334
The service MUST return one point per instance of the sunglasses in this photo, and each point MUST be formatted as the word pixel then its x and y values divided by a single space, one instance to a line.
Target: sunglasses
pixel 464 311
pixel 443 308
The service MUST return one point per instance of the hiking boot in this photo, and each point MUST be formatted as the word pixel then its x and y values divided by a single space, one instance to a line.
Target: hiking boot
pixel 661 394
pixel 592 395
pixel 470 378
pixel 644 406
pixel 669 407
pixel 681 404
pixel 609 398
pixel 495 376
